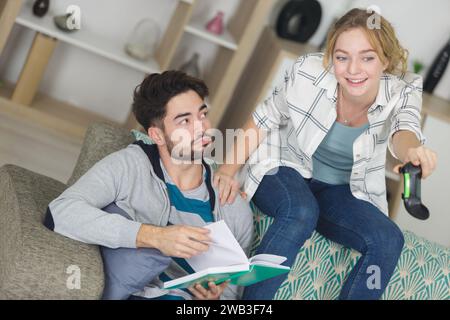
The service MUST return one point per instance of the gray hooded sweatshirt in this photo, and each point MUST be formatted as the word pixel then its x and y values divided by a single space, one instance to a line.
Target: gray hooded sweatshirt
pixel 136 185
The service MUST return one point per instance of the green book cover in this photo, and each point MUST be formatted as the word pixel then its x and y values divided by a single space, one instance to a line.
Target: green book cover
pixel 258 273
pixel 217 278
pixel 226 260
pixel 255 273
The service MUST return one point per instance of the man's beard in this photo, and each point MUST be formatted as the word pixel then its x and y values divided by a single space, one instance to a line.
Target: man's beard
pixel 186 155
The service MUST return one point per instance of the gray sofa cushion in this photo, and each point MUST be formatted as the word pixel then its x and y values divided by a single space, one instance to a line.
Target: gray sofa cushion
pixel 34 262
pixel 101 139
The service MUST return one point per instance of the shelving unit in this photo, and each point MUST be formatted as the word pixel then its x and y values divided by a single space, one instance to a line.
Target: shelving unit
pixel 235 48
pixel 226 40
pixel 85 39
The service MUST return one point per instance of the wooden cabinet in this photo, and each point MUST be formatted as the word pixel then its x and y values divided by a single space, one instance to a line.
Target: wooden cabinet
pixel 271 57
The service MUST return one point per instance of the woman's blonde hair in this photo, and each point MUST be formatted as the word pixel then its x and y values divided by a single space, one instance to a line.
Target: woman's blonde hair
pixel 382 38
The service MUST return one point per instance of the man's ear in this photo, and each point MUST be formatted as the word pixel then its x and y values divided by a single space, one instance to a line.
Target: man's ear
pixel 156 135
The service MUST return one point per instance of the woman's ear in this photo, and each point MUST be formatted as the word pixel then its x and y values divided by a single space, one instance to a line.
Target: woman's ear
pixel 156 135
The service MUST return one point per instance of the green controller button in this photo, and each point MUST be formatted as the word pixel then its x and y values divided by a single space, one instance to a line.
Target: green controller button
pixel 406 189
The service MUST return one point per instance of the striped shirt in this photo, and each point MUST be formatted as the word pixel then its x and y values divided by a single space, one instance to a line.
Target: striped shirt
pixel 299 113
pixel 192 208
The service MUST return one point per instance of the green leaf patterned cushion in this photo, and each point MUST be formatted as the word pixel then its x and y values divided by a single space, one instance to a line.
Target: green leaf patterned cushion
pixel 322 266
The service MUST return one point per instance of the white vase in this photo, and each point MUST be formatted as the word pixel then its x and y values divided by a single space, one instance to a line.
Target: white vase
pixel 143 40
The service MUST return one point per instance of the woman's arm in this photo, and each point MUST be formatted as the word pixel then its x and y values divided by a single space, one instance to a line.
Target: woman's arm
pixel 406 141
pixel 246 142
pixel 269 115
pixel 407 148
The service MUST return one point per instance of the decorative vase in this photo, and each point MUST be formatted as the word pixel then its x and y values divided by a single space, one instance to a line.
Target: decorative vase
pixel 40 7
pixel 143 40
pixel 62 22
pixel 215 25
pixel 191 67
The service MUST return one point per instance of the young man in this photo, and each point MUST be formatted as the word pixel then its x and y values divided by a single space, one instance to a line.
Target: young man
pixel 155 197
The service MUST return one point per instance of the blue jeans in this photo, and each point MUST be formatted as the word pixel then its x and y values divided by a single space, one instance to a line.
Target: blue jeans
pixel 299 206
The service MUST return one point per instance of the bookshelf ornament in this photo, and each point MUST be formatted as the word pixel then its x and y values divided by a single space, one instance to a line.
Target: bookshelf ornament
pixel 215 25
pixel 143 40
pixel 70 21
pixel 191 66
pixel 40 7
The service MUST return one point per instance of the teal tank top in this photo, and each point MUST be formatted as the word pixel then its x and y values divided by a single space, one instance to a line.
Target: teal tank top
pixel 333 159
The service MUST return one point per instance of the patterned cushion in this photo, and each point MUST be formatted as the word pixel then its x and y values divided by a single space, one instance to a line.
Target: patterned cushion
pixel 138 135
pixel 322 266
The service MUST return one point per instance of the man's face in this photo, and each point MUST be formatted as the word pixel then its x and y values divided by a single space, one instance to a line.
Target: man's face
pixel 185 125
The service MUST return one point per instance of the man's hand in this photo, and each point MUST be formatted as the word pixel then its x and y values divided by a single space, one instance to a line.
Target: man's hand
pixel 422 156
pixel 178 241
pixel 228 187
pixel 212 293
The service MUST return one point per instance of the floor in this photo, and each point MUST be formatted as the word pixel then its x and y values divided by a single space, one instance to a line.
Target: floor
pixel 36 148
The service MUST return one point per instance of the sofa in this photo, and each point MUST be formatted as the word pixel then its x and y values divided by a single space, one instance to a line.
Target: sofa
pixel 36 263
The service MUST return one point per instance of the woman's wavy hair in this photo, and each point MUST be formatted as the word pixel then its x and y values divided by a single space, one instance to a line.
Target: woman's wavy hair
pixel 383 39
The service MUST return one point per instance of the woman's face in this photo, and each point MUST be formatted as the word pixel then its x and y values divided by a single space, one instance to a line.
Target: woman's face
pixel 356 64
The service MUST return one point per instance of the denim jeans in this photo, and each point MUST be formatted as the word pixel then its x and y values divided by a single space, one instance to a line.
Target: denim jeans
pixel 299 206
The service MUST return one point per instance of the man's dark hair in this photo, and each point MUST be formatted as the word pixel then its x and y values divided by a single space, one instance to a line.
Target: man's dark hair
pixel 152 95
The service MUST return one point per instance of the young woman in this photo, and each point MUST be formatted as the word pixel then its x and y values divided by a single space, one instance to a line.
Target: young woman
pixel 328 128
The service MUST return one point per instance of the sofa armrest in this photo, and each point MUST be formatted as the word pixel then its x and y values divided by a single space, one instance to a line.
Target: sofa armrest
pixel 36 263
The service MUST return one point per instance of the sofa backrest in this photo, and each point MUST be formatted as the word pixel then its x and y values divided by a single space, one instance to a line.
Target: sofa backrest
pixel 101 139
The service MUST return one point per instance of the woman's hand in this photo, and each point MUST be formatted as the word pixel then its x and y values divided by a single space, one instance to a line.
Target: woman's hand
pixel 212 293
pixel 422 156
pixel 228 187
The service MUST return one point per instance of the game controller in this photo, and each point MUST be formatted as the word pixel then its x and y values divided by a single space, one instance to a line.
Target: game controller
pixel 412 176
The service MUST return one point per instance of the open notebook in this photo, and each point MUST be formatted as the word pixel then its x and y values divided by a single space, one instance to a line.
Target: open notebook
pixel 225 260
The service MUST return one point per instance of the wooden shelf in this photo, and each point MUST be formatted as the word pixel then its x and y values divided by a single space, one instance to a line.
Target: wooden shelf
pixel 85 39
pixel 225 40
pixel 269 54
pixel 436 107
pixel 60 116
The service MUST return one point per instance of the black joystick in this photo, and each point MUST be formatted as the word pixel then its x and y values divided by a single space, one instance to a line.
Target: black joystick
pixel 411 193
